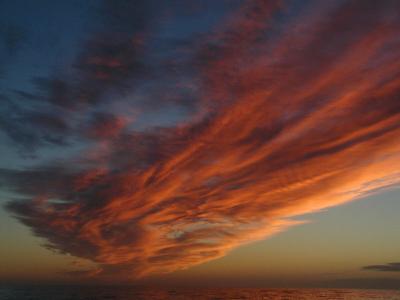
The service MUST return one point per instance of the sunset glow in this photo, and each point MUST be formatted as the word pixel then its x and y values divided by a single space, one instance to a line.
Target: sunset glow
pixel 159 146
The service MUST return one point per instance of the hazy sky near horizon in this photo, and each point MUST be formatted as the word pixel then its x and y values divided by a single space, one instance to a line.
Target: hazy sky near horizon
pixel 247 143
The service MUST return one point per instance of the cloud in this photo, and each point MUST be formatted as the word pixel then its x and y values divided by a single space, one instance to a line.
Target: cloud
pixel 390 267
pixel 290 119
pixel 30 128
pixel 105 125
pixel 115 70
pixel 109 61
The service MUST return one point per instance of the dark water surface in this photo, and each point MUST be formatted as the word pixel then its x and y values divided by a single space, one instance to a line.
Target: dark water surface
pixel 129 293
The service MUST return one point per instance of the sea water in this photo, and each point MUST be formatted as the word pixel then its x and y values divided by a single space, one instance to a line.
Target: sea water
pixel 133 293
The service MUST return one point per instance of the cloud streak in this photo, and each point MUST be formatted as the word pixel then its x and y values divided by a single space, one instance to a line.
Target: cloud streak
pixel 390 267
pixel 292 117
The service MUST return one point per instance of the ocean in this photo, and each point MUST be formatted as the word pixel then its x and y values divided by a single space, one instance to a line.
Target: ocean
pixel 130 293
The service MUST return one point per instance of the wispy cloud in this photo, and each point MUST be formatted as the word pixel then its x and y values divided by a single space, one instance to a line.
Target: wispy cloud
pixel 290 118
pixel 390 267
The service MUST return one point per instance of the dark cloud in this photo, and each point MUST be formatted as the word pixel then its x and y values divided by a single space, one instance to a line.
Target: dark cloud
pixel 115 62
pixel 107 63
pixel 53 180
pixel 53 90
pixel 104 125
pixel 30 128
pixel 390 267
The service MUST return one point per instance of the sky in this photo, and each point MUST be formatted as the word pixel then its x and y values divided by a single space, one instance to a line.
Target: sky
pixel 200 143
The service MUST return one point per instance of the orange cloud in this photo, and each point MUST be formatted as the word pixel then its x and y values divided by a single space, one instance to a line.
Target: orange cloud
pixel 302 118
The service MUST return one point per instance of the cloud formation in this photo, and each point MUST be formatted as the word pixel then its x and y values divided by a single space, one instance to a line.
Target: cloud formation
pixel 390 267
pixel 290 117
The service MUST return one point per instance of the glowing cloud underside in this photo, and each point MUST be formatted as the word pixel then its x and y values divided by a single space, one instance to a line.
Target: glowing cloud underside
pixel 291 120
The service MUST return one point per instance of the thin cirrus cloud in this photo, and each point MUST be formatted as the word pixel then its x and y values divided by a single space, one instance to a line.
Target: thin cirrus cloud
pixel 290 117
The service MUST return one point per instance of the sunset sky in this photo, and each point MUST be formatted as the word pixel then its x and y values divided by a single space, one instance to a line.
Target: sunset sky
pixel 200 143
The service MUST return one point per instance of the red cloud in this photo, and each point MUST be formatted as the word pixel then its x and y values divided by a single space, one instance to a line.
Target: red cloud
pixel 310 118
